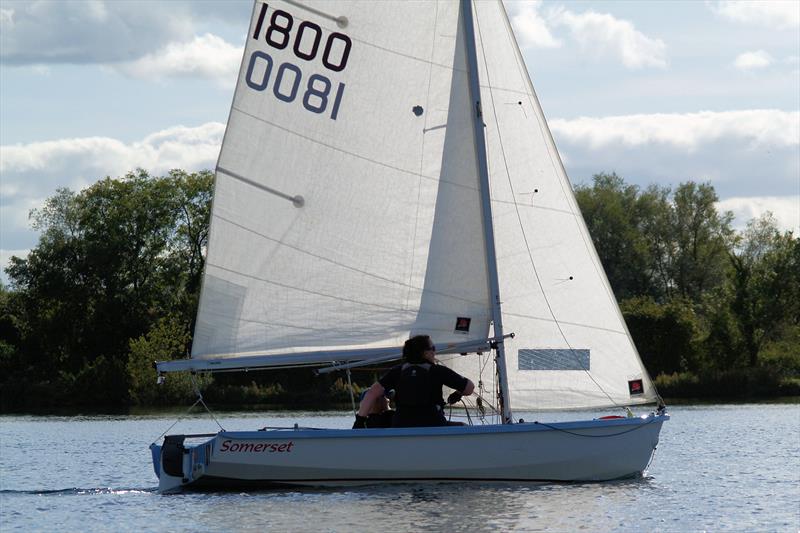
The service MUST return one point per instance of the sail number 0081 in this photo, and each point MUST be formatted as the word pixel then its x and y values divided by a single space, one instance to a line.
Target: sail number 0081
pixel 288 76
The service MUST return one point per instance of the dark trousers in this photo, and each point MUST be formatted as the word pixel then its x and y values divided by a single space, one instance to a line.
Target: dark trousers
pixel 414 417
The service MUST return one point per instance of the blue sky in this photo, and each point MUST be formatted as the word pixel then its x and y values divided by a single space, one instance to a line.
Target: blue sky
pixel 659 92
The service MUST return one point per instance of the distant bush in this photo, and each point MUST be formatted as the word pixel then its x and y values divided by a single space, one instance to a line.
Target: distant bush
pixel 167 340
pixel 340 391
pixel 250 394
pixel 783 354
pixel 665 334
pixel 740 383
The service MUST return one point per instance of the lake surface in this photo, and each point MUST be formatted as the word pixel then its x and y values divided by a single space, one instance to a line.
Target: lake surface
pixel 717 468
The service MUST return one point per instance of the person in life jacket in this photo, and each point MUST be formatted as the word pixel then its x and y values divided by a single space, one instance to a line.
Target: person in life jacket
pixel 417 382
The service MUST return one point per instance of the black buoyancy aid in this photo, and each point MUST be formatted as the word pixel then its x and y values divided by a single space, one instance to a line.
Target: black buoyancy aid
pixel 415 386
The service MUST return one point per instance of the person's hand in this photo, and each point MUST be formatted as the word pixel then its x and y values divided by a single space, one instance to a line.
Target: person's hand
pixel 360 423
pixel 454 398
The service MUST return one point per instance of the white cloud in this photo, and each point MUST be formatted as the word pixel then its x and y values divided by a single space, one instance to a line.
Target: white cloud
pixel 30 173
pixel 106 31
pixel 753 60
pixel 88 31
pixel 688 131
pixel 777 14
pixel 604 34
pixel 6 19
pixel 743 154
pixel 83 156
pixel 785 208
pixel 205 56
pixel 529 26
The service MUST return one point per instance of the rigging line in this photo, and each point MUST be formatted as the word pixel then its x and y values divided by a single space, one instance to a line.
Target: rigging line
pixel 422 155
pixel 317 293
pixel 353 154
pixel 192 376
pixel 352 392
pixel 176 421
pixel 481 369
pixel 579 220
pixel 652 419
pixel 519 217
pixel 336 263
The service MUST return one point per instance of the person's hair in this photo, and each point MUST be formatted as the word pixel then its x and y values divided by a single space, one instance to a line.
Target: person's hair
pixel 415 347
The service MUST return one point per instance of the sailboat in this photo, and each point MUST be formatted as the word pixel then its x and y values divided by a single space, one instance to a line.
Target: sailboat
pixel 387 171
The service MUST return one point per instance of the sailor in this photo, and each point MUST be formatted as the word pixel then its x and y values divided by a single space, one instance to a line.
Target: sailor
pixel 379 414
pixel 417 382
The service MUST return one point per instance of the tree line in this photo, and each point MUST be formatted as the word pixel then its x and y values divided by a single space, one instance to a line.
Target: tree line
pixel 114 281
pixel 713 311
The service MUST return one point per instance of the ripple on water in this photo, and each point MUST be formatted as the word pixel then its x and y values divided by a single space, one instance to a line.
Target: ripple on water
pixel 716 468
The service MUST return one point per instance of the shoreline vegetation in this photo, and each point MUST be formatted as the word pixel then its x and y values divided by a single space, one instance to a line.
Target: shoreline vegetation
pixel 113 284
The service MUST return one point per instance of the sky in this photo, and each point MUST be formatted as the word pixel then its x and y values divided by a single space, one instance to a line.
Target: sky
pixel 658 92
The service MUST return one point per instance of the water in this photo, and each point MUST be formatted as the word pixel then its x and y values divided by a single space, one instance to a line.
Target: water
pixel 717 468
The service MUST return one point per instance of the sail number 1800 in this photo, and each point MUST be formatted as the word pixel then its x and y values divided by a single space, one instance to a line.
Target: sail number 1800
pixel 319 95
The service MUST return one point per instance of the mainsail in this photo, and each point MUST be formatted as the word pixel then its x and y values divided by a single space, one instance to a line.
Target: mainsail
pixel 344 204
pixel 347 207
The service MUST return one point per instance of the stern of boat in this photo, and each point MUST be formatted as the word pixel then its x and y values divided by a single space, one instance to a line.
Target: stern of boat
pixel 177 464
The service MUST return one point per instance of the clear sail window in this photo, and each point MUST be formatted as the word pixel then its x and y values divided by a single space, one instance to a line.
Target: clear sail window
pixel 553 359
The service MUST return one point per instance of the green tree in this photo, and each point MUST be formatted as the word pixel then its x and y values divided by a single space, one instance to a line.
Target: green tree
pixel 168 339
pixel 620 221
pixel 722 339
pixel 765 284
pixel 111 261
pixel 655 242
pixel 10 333
pixel 666 335
pixel 702 238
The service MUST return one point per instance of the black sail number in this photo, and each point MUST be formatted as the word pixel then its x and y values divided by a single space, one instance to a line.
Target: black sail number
pixel 345 54
pixel 298 42
pixel 318 93
pixel 280 24
pixel 319 90
pixel 307 38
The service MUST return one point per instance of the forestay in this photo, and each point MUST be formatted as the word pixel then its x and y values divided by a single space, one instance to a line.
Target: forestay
pixel 572 348
pixel 346 202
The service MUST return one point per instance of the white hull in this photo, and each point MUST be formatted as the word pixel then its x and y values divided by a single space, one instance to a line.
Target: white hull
pixel 593 450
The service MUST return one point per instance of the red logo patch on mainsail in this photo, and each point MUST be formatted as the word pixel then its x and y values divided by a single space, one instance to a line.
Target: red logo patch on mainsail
pixel 636 386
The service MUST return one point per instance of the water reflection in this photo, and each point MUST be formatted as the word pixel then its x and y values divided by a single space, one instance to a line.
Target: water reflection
pixel 414 507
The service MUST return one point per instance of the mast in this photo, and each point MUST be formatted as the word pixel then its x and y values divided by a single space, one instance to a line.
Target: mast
pixel 486 208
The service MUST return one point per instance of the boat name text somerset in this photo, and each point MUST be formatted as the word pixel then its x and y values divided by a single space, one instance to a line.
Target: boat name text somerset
pixel 263 447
